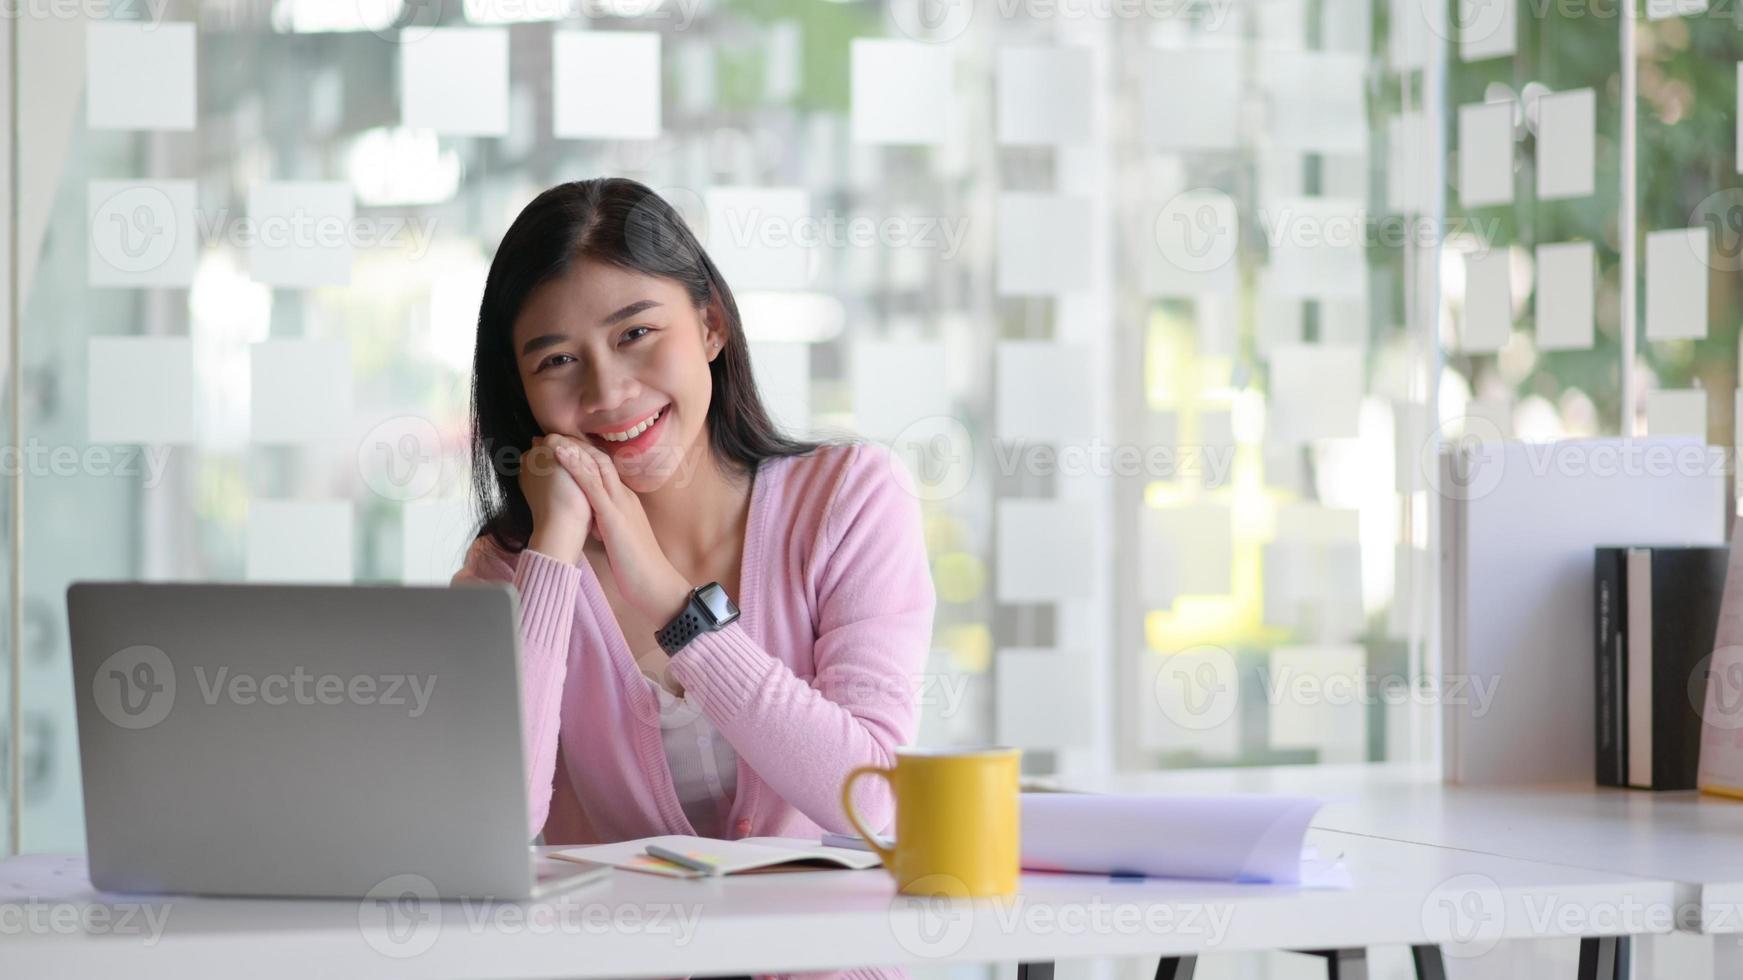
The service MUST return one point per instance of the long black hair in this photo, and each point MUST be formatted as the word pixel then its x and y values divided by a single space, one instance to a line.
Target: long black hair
pixel 626 224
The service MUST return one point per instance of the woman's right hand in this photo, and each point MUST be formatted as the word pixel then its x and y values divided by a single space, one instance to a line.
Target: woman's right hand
pixel 561 513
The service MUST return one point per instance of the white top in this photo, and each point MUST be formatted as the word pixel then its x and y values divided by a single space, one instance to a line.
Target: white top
pixel 704 765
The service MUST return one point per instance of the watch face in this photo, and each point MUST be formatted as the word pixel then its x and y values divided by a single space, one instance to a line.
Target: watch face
pixel 719 607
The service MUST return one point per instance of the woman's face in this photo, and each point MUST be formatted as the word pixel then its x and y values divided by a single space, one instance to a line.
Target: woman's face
pixel 604 350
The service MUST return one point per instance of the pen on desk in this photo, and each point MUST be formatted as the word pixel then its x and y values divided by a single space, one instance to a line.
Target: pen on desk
pixel 682 860
pixel 853 841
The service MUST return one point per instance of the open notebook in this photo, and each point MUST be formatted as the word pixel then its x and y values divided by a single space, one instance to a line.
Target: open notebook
pixel 1255 838
pixel 746 856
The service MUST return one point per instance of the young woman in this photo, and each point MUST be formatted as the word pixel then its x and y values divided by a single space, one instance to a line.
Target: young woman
pixel 634 490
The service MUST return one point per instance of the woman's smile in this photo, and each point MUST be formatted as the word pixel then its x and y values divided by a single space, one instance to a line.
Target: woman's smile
pixel 635 438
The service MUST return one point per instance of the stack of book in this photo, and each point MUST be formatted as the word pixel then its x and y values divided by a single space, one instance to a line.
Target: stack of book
pixel 1657 613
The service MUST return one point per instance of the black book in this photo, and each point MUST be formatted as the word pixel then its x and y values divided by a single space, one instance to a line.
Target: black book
pixel 1657 613
pixel 1607 684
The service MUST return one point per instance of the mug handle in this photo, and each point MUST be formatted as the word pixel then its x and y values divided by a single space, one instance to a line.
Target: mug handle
pixel 886 854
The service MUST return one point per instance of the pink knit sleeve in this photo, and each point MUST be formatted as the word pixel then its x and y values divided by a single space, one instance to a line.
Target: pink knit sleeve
pixel 874 630
pixel 547 590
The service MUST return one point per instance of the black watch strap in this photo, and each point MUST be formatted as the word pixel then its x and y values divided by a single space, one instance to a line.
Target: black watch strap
pixel 709 608
pixel 686 626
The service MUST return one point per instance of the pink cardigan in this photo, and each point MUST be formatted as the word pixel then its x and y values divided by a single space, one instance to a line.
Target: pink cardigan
pixel 820 673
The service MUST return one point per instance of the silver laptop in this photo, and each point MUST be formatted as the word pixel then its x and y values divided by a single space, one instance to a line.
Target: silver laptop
pixel 305 740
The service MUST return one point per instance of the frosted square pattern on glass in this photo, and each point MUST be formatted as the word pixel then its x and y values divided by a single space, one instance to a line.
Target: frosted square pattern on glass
pixel 1306 710
pixel 1044 391
pixel 1316 393
pixel 757 236
pixel 140 389
pixel 783 373
pixel 1188 550
pixel 302 233
pixel 142 233
pixel 1191 98
pixel 300 390
pixel 1487 28
pixel 454 80
pixel 1488 316
pixel 1044 245
pixel 897 384
pixel 1043 699
pixel 1565 296
pixel 1566 134
pixel 434 539
pixel 1676 284
pixel 1042 94
pixel 299 541
pixel 1045 550
pixel 140 75
pixel 1486 154
pixel 606 85
pixel 901 91
pixel 1677 412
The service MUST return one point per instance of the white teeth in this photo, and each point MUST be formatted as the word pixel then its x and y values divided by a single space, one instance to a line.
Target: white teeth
pixel 629 434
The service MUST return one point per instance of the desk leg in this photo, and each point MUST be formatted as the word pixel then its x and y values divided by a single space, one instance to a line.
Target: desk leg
pixel 1604 958
pixel 1176 967
pixel 1035 971
pixel 1727 957
pixel 1430 965
pixel 1342 964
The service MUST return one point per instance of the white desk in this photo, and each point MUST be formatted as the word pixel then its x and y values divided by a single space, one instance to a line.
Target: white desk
pixel 1405 893
pixel 1693 840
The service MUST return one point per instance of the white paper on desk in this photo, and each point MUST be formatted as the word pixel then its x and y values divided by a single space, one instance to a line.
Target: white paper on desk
pixel 1222 838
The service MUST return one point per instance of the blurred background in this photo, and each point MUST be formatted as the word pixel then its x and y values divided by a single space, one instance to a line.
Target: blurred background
pixel 1165 303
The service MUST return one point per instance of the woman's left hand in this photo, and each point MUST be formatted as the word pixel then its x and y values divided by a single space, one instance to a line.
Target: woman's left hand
pixel 644 575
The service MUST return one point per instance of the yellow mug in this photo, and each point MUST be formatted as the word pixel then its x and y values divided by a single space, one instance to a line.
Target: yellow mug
pixel 956 820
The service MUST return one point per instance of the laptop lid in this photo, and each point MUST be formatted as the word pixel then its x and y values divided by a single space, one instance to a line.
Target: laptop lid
pixel 303 740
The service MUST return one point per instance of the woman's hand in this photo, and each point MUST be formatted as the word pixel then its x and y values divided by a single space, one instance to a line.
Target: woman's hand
pixel 562 514
pixel 644 575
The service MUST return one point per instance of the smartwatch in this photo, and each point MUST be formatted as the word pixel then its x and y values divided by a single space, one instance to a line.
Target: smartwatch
pixel 708 610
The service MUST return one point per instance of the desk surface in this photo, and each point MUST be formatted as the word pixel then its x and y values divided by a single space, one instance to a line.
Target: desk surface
pixel 645 925
pixel 1686 837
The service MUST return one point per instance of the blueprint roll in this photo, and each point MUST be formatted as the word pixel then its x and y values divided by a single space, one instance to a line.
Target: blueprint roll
pixel 1221 838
